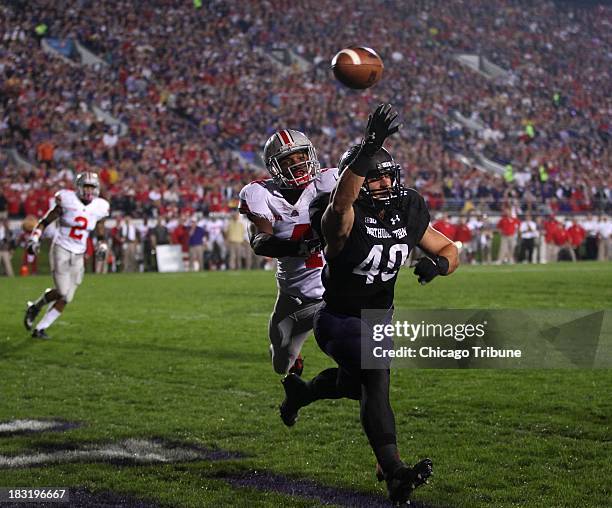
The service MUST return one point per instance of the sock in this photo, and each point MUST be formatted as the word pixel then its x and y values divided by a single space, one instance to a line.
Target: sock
pixel 323 385
pixel 388 457
pixel 377 418
pixel 47 321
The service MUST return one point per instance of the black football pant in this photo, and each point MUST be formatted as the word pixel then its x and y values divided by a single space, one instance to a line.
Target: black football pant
pixel 339 336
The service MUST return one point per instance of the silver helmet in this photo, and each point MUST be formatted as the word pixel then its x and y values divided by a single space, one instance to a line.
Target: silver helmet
pixel 82 180
pixel 286 142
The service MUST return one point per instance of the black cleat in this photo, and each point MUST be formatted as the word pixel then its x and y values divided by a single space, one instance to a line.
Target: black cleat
pixel 30 315
pixel 296 394
pixel 380 474
pixel 40 334
pixel 405 479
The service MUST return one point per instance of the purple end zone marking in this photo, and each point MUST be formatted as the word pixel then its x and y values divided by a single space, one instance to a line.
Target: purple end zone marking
pixel 306 488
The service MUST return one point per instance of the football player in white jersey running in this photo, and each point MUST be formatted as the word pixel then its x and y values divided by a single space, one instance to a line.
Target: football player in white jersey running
pixel 280 228
pixel 79 212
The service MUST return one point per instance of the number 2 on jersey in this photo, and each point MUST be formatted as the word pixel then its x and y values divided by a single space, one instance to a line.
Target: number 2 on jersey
pixel 304 232
pixel 82 224
pixel 370 266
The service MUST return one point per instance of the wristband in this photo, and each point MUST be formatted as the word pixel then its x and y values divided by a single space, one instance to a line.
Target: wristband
pixel 35 235
pixel 363 163
pixel 442 264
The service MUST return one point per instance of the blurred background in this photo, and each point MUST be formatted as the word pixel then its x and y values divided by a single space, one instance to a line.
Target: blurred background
pixel 506 110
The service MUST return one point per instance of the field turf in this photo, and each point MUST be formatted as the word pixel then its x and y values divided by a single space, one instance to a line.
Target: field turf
pixel 183 359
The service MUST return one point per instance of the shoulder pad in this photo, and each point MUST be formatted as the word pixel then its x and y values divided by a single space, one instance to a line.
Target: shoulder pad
pixel 327 179
pixel 253 199
pixel 64 196
pixel 102 206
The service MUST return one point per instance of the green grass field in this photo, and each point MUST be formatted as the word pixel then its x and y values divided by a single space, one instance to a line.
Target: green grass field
pixel 183 358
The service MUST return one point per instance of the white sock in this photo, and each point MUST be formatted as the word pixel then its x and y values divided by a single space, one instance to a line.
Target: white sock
pixel 47 321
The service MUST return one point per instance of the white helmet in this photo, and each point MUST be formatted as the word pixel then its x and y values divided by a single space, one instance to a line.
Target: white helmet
pixel 286 142
pixel 90 179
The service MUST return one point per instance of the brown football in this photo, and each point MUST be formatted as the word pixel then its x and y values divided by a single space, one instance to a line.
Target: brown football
pixel 357 67
pixel 29 223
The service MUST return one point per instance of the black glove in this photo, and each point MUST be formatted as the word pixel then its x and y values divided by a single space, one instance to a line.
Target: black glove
pixel 381 125
pixel 308 247
pixel 427 269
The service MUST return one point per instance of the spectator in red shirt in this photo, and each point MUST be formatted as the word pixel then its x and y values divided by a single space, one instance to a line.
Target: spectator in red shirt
pixel 576 234
pixel 551 250
pixel 42 203
pixel 180 236
pixel 215 200
pixel 13 203
pixel 444 226
pixel 463 235
pixel 30 205
pixel 507 227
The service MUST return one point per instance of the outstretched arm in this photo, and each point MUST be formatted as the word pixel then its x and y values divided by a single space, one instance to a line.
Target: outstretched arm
pixel 338 219
pixel 101 246
pixel 34 241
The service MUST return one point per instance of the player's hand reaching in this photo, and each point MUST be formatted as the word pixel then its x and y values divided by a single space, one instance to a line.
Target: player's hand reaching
pixel 101 251
pixel 427 269
pixel 308 247
pixel 381 124
pixel 33 244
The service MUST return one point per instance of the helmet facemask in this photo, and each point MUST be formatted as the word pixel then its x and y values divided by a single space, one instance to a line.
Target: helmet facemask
pixel 385 165
pixel 88 187
pixel 296 175
pixel 382 197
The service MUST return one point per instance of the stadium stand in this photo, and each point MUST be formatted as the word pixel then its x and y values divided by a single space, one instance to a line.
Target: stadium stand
pixel 505 106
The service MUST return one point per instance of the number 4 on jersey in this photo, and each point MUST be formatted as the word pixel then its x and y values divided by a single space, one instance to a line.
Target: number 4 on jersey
pixel 304 232
pixel 370 266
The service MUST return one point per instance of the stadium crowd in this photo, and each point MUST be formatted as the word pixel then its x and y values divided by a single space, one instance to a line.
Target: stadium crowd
pixel 220 242
pixel 196 95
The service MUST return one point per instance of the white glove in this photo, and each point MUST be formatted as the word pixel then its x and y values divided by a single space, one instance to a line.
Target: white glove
pixel 33 245
pixel 101 251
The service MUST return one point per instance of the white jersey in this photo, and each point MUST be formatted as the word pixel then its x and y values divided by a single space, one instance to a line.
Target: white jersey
pixel 296 276
pixel 77 220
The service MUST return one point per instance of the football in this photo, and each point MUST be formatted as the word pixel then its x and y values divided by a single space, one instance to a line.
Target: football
pixel 29 223
pixel 357 67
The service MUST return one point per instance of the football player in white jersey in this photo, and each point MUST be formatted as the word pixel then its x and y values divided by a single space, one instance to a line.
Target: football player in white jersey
pixel 79 212
pixel 277 209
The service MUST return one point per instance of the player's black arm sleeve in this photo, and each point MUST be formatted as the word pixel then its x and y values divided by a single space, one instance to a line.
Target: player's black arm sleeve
pixel 100 231
pixel 265 244
pixel 49 217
